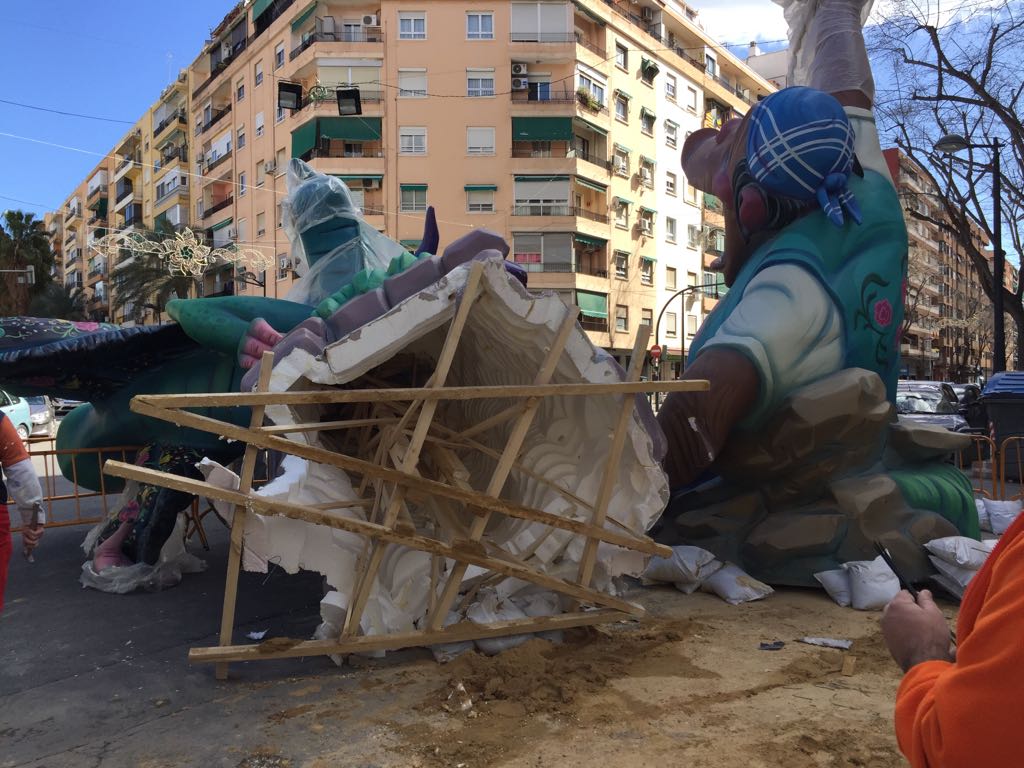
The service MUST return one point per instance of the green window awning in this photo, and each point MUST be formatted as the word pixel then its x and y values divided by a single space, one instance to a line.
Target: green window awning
pixel 541 178
pixel 303 17
pixel 649 160
pixel 672 123
pixel 645 111
pixel 592 304
pixel 159 219
pixel 304 138
pixel 648 258
pixel 623 94
pixel 357 176
pixel 587 12
pixel 622 148
pixel 354 128
pixel 415 187
pixel 594 185
pixel 412 244
pixel 593 126
pixel 597 242
pixel 647 66
pixel 259 7
pixel 622 200
pixel 541 129
pixel 221 224
pixel 481 187
pixel 645 209
pixel 100 205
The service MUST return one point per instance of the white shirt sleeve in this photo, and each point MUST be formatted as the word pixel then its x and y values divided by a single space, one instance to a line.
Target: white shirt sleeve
pixel 788 327
pixel 23 486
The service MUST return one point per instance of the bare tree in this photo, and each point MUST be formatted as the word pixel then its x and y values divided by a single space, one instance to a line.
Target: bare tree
pixel 959 72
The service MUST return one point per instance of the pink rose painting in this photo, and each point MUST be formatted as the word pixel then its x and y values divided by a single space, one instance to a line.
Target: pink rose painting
pixel 883 313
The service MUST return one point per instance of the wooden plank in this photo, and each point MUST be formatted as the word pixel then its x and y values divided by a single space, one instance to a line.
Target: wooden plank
pixel 473 499
pixel 320 397
pixel 513 446
pixel 411 459
pixel 227 618
pixel 320 426
pixel 611 467
pixel 471 552
pixel 286 648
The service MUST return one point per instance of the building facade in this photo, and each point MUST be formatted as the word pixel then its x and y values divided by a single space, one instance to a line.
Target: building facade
pixel 556 124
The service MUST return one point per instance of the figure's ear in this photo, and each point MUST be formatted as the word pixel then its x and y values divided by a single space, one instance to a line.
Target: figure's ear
pixel 751 209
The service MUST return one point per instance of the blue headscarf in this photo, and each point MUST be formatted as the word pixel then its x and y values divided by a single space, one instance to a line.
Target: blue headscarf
pixel 800 146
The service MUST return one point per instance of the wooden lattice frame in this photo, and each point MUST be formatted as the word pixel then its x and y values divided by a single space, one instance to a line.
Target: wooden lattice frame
pixel 401 456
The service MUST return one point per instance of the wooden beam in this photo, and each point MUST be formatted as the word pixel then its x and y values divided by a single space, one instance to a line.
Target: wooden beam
pixel 287 648
pixel 320 426
pixel 315 397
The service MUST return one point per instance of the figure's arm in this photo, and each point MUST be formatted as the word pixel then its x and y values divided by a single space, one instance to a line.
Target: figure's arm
pixel 22 483
pixel 964 714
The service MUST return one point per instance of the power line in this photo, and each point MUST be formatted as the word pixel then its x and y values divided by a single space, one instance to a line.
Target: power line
pixel 66 114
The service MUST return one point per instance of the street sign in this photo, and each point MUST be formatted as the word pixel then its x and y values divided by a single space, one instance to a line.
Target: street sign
pixel 656 352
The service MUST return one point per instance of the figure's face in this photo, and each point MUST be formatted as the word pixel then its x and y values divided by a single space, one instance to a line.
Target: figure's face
pixel 709 158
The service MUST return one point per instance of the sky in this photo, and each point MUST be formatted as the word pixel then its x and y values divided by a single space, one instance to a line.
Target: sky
pixel 110 58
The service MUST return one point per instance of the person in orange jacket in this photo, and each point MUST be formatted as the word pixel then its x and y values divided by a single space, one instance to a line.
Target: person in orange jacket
pixel 23 484
pixel 958 706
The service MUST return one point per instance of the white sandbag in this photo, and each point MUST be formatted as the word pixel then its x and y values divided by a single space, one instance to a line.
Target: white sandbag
pixel 984 519
pixel 734 585
pixel 961 551
pixel 445 652
pixel 962 576
pixel 872 584
pixel 836 584
pixel 490 608
pixel 538 604
pixel 684 565
pixel 949 585
pixel 1001 513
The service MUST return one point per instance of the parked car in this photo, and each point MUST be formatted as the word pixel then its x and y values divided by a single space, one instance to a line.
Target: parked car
pixel 62 406
pixel 44 420
pixel 18 411
pixel 930 402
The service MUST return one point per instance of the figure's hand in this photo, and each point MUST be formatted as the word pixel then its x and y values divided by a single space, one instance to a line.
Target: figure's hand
pixel 30 537
pixel 915 632
pixel 259 338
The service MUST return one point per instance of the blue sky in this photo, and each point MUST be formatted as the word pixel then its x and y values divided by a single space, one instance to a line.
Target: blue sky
pixel 110 58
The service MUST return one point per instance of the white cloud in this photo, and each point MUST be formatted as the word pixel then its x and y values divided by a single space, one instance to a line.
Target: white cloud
pixel 738 23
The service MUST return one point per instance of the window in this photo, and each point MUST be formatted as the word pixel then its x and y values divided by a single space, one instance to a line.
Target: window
pixel 541 196
pixel 261 224
pixel 241 184
pixel 480 200
pixel 647 122
pixel 691 325
pixel 479 141
pixel 592 87
pixel 283 265
pixel 710 65
pixel 621 214
pixel 412 141
pixel 712 284
pixel 692 236
pixel 259 124
pixel 671 133
pixel 691 194
pixel 279 160
pixel 621 260
pixel 670 229
pixel 279 116
pixel 646 271
pixel 541 22
pixel 621 318
pixel 647 317
pixel 647 172
pixel 670 87
pixel 479 82
pixel 691 99
pixel 412 83
pixel 240 90
pixel 691 279
pixel 671 324
pixel 279 56
pixel 261 173
pixel 621 56
pixel 620 161
pixel 280 216
pixel 414 197
pixel 257 73
pixel 479 26
pixel 670 183
pixel 241 136
pixel 412 25
pixel 622 109
pixel 242 231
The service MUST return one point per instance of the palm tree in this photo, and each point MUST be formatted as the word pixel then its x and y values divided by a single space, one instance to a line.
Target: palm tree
pixel 142 279
pixel 23 243
pixel 60 302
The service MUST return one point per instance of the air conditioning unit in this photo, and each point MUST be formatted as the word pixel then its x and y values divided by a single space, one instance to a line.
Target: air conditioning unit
pixel 645 175
pixel 518 69
pixel 371 184
pixel 295 262
pixel 622 168
pixel 225 51
pixel 269 166
pixel 646 226
pixel 371 20
pixel 285 263
pixel 520 84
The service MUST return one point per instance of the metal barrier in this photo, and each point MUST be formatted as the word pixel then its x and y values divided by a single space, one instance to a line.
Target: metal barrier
pixel 982 460
pixel 1016 462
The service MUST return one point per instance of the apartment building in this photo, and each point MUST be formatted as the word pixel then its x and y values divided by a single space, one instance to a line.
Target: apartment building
pixel 141 185
pixel 556 124
pixel 949 320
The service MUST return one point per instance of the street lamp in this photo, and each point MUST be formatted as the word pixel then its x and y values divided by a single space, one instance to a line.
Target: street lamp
pixel 950 144
pixel 657 324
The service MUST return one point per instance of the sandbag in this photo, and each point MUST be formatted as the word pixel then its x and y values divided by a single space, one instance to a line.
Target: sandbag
pixel 1001 513
pixel 872 584
pixel 685 565
pixel 836 584
pixel 961 551
pixel 735 586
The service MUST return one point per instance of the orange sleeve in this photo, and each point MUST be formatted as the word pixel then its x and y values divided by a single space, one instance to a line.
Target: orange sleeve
pixel 12 450
pixel 965 714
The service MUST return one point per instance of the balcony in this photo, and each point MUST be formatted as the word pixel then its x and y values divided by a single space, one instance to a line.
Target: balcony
pixel 72 213
pixel 324 96
pixel 216 67
pixel 97 271
pixel 542 37
pixel 132 216
pixel 123 193
pixel 591 46
pixel 215 118
pixel 522 208
pixel 368 35
pixel 210 165
pixel 219 206
pixel 96 218
pixel 596 324
pixel 176 118
pixel 166 193
pixel 538 97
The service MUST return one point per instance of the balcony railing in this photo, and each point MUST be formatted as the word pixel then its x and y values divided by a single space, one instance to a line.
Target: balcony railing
pixel 136 158
pixel 591 46
pixel 583 213
pixel 326 93
pixel 215 118
pixel 556 209
pixel 221 65
pixel 94 218
pixel 214 163
pixel 542 37
pixel 372 210
pixel 70 213
pixel 595 159
pixel 124 193
pixel 352 36
pixel 165 194
pixel 565 268
pixel 563 96
pixel 590 103
pixel 340 152
pixel 594 324
pixel 97 271
pixel 174 117
pixel 218 206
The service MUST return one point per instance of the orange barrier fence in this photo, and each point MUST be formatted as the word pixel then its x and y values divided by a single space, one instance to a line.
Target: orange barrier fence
pixel 1011 466
pixel 980 462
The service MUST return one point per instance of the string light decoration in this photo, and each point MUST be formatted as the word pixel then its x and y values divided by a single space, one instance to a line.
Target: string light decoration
pixel 184 254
